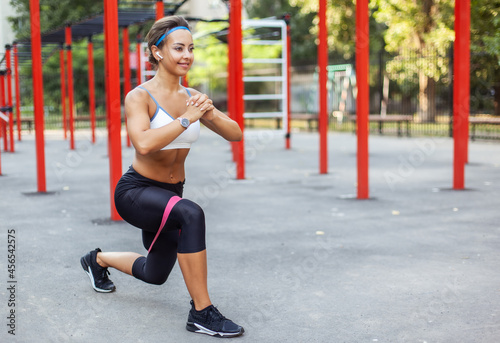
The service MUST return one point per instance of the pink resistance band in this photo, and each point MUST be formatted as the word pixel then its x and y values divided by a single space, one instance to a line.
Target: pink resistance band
pixel 170 204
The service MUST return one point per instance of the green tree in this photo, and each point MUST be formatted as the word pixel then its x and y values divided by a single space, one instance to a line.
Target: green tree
pixel 423 29
pixel 303 47
pixel 485 48
pixel 341 26
pixel 53 14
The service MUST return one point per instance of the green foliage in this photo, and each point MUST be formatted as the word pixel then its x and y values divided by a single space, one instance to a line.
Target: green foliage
pixel 341 26
pixel 421 28
pixel 53 14
pixel 210 56
pixel 485 28
pixel 485 48
pixel 301 23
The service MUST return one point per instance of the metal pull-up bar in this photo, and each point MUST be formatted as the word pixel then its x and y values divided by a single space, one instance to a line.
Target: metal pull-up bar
pixel 323 104
pixel 91 83
pixel 18 91
pixel 9 96
pixel 62 67
pixel 69 60
pixel 3 125
pixel 363 98
pixel 461 92
pixel 36 56
pixel 236 74
pixel 113 102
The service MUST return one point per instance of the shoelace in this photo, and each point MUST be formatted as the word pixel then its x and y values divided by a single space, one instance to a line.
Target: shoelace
pixel 104 275
pixel 214 316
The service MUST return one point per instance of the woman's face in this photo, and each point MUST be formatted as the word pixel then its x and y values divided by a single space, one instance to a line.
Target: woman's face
pixel 178 52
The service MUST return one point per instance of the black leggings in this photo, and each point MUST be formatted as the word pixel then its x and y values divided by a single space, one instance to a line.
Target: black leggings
pixel 141 202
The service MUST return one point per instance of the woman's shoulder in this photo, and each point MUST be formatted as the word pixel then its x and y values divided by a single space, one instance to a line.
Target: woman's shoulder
pixel 139 93
pixel 191 91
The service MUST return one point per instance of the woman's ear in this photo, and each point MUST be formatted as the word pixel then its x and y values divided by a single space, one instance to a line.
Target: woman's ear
pixel 156 52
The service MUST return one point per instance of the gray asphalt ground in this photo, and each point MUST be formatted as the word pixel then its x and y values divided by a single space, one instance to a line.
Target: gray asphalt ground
pixel 293 256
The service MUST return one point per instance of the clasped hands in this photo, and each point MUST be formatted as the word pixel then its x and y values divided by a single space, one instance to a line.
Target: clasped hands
pixel 199 106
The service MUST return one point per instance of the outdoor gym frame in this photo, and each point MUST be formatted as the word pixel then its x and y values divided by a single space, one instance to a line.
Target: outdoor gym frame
pixel 461 90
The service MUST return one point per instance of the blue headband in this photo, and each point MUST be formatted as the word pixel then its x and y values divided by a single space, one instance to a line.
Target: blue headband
pixel 170 31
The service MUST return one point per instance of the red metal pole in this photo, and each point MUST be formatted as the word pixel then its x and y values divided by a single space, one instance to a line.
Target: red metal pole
pixel 139 55
pixel 288 67
pixel 363 99
pixel 160 12
pixel 461 91
pixel 9 95
pixel 91 80
pixel 2 104
pixel 63 91
pixel 126 70
pixel 18 92
pixel 106 74
pixel 113 98
pixel 323 104
pixel 36 57
pixel 230 89
pixel 69 56
pixel 1 123
pixel 237 58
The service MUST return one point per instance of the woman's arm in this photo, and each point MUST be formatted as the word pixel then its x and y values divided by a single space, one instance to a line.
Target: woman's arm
pixel 145 139
pixel 221 124
pixel 217 121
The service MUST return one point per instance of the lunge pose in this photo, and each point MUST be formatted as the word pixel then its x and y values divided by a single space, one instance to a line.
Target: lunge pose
pixel 163 120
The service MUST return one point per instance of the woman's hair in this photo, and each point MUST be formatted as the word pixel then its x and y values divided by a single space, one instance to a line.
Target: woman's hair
pixel 158 29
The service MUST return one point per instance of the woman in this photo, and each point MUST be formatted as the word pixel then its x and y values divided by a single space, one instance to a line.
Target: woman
pixel 163 119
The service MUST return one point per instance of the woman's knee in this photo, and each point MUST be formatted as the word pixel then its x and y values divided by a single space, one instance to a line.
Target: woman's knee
pixel 149 274
pixel 189 214
pixel 156 279
pixel 192 233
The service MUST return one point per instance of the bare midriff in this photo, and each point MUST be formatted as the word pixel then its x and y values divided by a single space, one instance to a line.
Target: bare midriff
pixel 164 165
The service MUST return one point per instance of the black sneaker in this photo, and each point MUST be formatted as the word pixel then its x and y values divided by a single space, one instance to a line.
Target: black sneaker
pixel 211 322
pixel 98 275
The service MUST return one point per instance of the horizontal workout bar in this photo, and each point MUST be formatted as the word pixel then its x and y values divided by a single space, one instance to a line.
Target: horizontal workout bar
pixel 264 79
pixel 263 60
pixel 263 115
pixel 263 97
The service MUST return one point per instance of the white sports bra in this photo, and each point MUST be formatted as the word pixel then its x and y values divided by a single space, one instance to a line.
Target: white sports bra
pixel 162 118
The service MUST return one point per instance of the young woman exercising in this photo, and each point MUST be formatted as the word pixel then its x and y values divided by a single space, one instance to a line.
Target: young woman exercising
pixel 163 120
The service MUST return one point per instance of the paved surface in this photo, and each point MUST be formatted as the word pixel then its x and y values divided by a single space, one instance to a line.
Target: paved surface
pixel 292 255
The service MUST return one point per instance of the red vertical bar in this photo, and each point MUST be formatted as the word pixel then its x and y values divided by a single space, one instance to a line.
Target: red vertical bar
pixel 323 105
pixel 126 70
pixel 2 104
pixel 113 98
pixel 9 95
pixel 237 59
pixel 230 87
pixel 71 100
pixel 1 121
pixel 3 125
pixel 63 91
pixel 288 67
pixel 185 82
pixel 18 92
pixel 160 12
pixel 139 64
pixel 461 91
pixel 91 80
pixel 36 58
pixel 363 99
